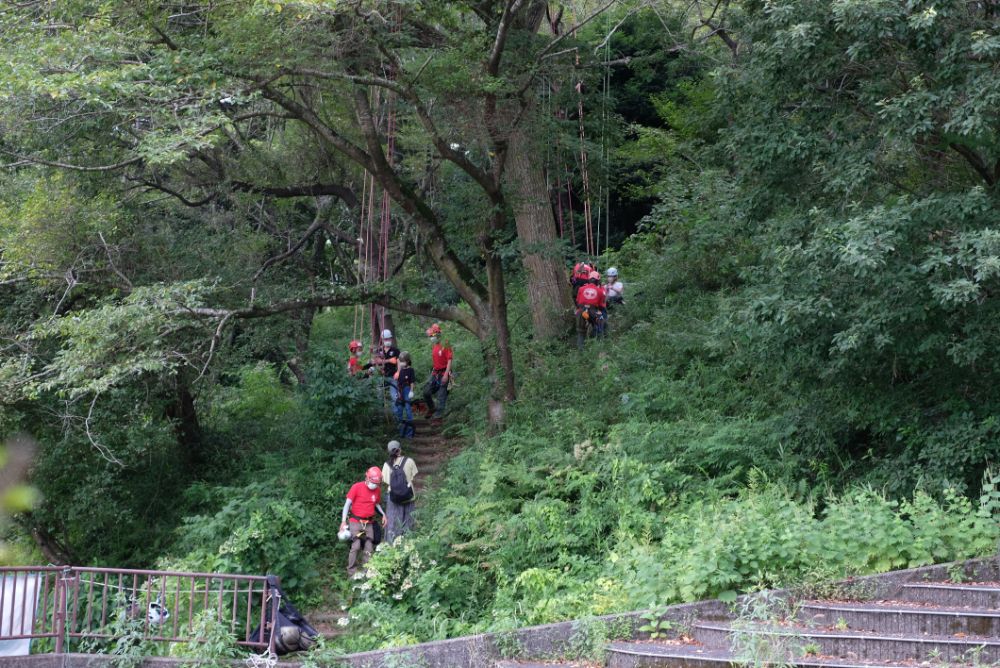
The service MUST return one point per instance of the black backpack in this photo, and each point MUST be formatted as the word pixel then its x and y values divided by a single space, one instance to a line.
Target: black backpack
pixel 292 632
pixel 399 488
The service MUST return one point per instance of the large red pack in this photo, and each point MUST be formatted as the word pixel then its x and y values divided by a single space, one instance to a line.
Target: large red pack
pixel 589 295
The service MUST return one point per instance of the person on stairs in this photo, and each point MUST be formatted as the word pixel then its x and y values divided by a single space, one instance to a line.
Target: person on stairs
pixel 363 500
pixel 398 474
pixel 441 361
pixel 405 378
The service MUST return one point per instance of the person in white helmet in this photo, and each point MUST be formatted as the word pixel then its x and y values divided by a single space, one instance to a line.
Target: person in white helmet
pixel 613 287
pixel 388 359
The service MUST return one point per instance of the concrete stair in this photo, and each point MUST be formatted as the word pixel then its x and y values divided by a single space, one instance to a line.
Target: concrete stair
pixel 431 449
pixel 921 624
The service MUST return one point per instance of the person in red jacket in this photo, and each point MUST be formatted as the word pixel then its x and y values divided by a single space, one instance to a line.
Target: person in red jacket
pixel 363 500
pixel 354 366
pixel 437 385
pixel 591 300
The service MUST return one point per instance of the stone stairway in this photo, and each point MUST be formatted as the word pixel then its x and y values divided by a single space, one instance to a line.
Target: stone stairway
pixel 920 624
pixel 430 449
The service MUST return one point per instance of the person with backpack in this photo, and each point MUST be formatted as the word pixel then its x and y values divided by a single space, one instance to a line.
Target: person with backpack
pixel 358 517
pixel 590 304
pixel 405 378
pixel 580 275
pixel 437 385
pixel 398 474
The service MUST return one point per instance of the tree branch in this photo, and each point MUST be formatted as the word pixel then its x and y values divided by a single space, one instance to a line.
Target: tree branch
pixel 318 223
pixel 304 190
pixel 975 161
pixel 325 132
pixel 511 8
pixel 449 313
pixel 459 275
pixel 597 12
pixel 78 168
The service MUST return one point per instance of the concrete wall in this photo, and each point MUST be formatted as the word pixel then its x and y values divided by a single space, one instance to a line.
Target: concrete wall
pixel 563 639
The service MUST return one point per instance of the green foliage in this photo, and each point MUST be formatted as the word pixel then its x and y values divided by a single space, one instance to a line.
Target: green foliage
pixel 337 406
pixel 655 624
pixel 211 643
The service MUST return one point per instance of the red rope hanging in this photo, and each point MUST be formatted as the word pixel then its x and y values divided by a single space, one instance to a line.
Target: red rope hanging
pixel 587 220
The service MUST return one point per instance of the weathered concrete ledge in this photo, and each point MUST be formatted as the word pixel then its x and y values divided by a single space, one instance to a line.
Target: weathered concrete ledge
pixel 562 639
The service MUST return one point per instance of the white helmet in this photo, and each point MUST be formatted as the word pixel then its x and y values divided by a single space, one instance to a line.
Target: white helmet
pixel 387 334
pixel 344 534
pixel 612 272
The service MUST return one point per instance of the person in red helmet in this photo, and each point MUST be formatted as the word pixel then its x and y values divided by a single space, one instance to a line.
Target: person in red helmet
pixel 437 384
pixel 363 501
pixel 591 301
pixel 580 275
pixel 354 366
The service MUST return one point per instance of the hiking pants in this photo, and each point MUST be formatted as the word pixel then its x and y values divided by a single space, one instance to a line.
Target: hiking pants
pixel 400 519
pixel 435 386
pixel 365 544
pixel 403 408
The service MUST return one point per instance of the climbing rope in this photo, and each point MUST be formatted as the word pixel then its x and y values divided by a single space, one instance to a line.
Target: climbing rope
pixel 267 659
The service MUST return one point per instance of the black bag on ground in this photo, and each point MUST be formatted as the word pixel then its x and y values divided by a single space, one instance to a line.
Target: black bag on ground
pixel 399 487
pixel 292 632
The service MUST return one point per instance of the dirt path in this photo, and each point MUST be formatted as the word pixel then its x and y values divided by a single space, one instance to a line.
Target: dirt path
pixel 430 449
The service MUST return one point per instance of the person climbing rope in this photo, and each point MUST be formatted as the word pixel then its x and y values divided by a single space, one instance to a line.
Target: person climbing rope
pixel 398 474
pixel 441 374
pixel 363 500
pixel 614 288
pixel 405 378
pixel 590 304
pixel 387 358
pixel 580 275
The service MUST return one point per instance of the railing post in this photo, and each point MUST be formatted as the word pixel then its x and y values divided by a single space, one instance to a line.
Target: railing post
pixel 275 602
pixel 59 620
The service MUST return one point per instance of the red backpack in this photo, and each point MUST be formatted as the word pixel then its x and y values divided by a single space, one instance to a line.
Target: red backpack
pixel 588 295
pixel 581 271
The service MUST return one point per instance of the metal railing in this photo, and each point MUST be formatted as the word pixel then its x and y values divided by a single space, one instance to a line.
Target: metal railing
pixel 70 604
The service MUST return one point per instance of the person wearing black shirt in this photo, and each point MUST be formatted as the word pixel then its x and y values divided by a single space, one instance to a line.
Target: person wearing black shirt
pixel 387 358
pixel 405 379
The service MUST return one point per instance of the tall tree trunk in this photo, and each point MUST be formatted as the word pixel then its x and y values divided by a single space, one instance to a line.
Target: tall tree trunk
pixel 551 303
pixel 186 427
pixel 494 331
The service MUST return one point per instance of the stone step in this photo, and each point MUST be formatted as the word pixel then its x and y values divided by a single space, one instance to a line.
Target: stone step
pixel 983 595
pixel 896 617
pixel 506 663
pixel 653 655
pixel 855 645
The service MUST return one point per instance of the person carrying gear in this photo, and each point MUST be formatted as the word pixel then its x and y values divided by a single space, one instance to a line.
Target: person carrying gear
pixel 437 385
pixel 354 366
pixel 358 517
pixel 580 275
pixel 614 288
pixel 388 357
pixel 405 378
pixel 590 304
pixel 397 475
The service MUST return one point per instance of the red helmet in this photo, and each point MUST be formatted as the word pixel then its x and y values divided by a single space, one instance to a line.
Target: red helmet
pixel 354 345
pixel 374 474
pixel 434 330
pixel 594 276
